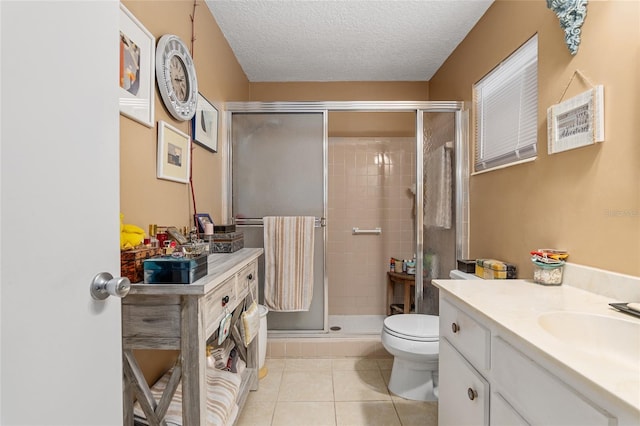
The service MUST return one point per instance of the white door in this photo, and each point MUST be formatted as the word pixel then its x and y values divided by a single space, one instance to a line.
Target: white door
pixel 60 349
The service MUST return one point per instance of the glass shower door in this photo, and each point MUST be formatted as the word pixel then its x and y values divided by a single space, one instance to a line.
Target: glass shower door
pixel 278 169
pixel 444 206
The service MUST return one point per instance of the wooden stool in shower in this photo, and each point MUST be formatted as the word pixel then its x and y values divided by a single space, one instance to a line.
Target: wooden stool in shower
pixel 408 282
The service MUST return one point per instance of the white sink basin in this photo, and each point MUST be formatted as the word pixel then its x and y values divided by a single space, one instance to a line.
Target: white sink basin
pixel 615 339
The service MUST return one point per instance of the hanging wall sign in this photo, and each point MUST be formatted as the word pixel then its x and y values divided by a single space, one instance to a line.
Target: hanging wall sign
pixel 576 122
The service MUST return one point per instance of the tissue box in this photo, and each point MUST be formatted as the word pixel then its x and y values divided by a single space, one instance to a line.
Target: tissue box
pixel 132 262
pixel 175 270
pixel 226 243
pixel 491 269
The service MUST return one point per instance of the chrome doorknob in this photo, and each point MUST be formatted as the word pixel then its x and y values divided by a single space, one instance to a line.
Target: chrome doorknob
pixel 104 285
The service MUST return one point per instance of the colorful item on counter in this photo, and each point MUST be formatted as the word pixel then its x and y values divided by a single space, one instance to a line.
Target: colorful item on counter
pixel 492 269
pixel 549 255
pixel 130 235
pixel 548 266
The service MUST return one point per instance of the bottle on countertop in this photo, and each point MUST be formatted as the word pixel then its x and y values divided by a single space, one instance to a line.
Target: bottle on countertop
pixel 392 265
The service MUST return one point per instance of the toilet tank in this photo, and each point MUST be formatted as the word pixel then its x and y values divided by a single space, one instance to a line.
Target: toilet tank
pixel 459 275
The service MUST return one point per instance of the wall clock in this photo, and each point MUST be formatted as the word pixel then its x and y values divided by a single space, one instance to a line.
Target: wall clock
pixel 176 77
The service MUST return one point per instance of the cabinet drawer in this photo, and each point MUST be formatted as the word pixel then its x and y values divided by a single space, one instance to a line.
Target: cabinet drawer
pixel 213 303
pixel 246 277
pixel 463 394
pixel 467 335
pixel 538 396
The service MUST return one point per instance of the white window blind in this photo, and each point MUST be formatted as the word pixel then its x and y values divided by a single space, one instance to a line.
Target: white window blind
pixel 506 102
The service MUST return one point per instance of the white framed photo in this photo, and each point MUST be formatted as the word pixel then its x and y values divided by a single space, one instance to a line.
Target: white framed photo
pixel 174 153
pixel 137 73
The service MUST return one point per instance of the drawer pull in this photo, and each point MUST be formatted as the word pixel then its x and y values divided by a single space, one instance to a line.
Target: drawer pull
pixel 455 327
pixel 225 300
pixel 250 277
pixel 472 394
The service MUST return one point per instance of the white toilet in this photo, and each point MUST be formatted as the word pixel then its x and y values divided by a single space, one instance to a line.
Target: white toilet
pixel 412 339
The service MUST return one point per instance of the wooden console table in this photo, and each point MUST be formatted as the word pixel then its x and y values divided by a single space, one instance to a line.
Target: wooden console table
pixel 182 317
pixel 408 281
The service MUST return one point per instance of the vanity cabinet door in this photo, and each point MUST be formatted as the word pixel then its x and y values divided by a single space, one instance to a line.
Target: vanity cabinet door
pixel 539 396
pixel 463 397
pixel 503 414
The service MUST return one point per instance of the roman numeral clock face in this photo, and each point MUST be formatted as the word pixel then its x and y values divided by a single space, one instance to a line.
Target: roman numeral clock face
pixel 176 76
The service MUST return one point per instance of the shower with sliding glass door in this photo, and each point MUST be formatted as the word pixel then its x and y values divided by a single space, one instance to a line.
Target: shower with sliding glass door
pixel 371 195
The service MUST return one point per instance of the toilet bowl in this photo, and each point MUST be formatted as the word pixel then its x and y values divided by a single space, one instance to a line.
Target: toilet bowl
pixel 412 339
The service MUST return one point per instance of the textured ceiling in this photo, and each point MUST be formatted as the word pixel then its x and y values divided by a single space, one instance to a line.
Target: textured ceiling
pixel 344 40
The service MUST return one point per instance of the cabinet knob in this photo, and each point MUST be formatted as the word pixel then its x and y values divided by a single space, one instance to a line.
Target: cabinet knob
pixel 225 300
pixel 455 327
pixel 250 277
pixel 472 394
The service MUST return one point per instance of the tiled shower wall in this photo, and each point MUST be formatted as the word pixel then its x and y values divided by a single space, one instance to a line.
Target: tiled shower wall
pixel 370 181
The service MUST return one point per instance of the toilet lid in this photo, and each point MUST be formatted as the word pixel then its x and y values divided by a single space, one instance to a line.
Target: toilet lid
pixel 413 326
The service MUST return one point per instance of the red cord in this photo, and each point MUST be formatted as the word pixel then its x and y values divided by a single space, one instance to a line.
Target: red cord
pixel 193 193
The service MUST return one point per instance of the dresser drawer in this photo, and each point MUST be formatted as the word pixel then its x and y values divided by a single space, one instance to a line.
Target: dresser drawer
pixel 213 303
pixel 246 277
pixel 552 403
pixel 470 338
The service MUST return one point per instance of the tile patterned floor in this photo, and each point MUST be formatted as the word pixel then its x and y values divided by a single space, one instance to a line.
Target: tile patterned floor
pixel 331 392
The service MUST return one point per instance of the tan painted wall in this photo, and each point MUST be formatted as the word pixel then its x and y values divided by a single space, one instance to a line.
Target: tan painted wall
pixel 145 199
pixel 585 200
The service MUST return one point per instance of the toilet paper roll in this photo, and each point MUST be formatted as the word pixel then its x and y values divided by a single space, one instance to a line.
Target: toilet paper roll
pixel 208 228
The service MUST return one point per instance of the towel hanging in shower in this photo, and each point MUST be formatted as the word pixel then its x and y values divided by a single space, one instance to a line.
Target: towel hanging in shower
pixel 288 262
pixel 437 189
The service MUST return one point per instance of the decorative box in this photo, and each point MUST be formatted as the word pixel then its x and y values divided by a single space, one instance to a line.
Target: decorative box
pixel 175 270
pixel 467 265
pixel 224 229
pixel 226 243
pixel 131 262
pixel 491 269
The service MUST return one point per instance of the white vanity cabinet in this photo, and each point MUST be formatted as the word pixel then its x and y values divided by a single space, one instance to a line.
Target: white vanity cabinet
pixel 182 317
pixel 487 379
pixel 463 393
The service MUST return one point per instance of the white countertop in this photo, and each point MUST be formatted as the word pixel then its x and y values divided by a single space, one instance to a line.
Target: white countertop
pixel 515 306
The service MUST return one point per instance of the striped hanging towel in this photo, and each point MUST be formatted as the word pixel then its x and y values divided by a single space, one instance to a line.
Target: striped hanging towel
pixel 288 262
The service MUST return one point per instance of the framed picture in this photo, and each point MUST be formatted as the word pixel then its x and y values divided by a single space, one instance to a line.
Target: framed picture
pixel 576 122
pixel 177 235
pixel 205 125
pixel 137 75
pixel 174 153
pixel 202 219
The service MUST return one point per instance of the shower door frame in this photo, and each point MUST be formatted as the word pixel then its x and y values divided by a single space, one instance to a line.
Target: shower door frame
pixel 416 107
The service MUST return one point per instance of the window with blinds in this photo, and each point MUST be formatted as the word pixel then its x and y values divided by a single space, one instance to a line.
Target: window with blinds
pixel 506 105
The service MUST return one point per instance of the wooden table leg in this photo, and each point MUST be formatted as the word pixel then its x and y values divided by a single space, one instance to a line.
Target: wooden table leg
pixel 389 294
pixel 407 297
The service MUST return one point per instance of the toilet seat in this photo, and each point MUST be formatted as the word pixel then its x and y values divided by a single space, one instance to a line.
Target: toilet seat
pixel 415 327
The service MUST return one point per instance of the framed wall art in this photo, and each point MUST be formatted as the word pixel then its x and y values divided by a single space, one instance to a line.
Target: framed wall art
pixel 576 122
pixel 205 124
pixel 174 153
pixel 202 219
pixel 137 72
